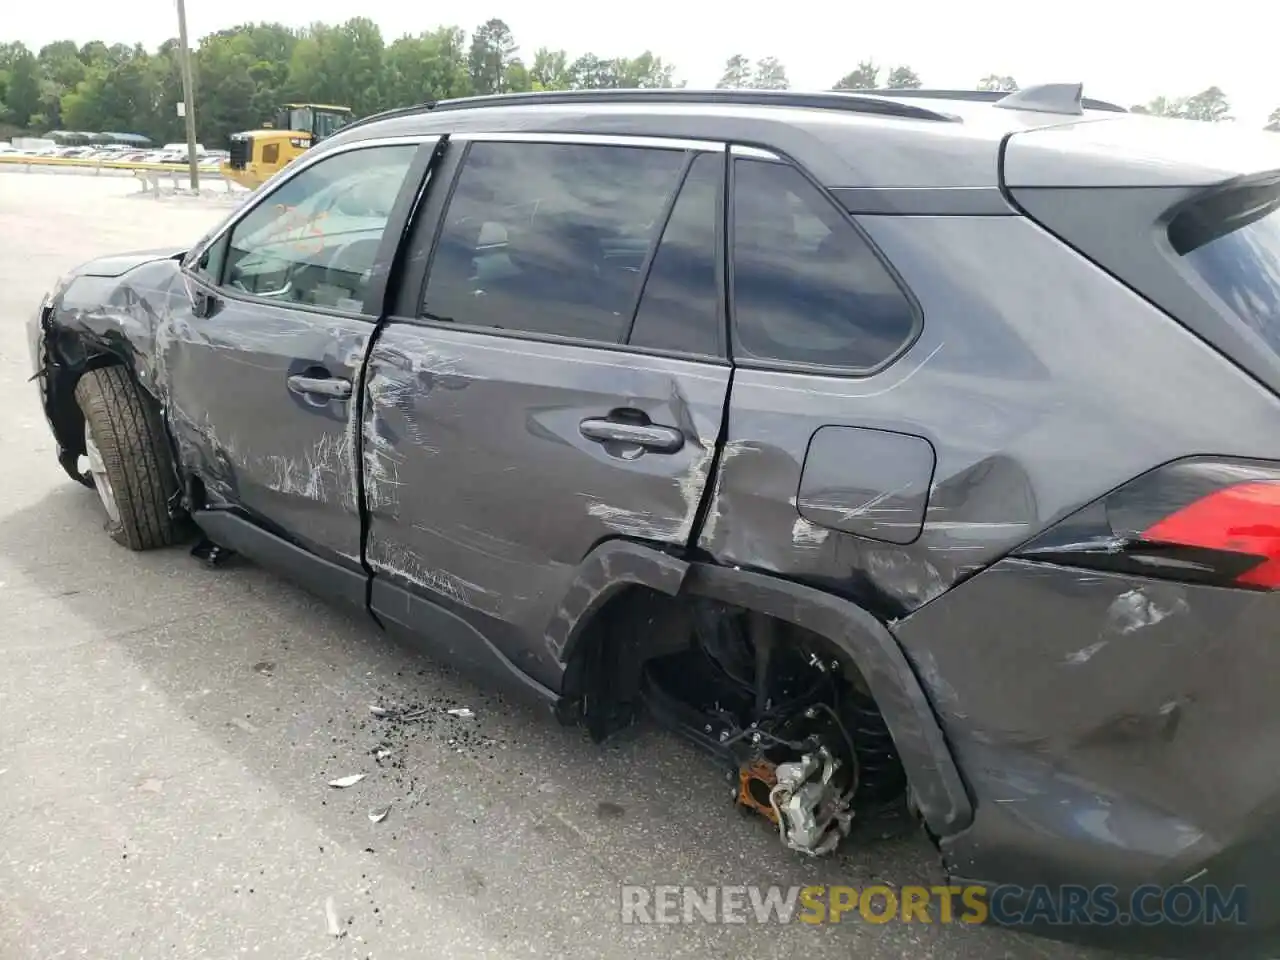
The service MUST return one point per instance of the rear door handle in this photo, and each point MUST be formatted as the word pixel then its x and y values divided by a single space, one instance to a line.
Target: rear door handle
pixel 651 436
pixel 330 387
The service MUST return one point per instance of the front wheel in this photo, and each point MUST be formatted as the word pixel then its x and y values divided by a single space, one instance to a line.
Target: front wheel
pixel 129 459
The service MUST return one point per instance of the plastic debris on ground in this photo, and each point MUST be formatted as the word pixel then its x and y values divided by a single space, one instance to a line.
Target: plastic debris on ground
pixel 331 919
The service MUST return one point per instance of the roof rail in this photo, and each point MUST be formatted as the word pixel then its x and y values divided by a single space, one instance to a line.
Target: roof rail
pixel 858 102
pixel 986 96
pixel 387 115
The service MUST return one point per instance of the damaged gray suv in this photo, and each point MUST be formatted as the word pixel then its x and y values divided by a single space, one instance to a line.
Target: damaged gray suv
pixel 896 448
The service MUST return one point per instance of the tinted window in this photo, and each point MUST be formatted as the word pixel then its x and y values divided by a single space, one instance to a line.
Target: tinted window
pixel 679 309
pixel 211 260
pixel 550 238
pixel 1232 241
pixel 314 240
pixel 807 288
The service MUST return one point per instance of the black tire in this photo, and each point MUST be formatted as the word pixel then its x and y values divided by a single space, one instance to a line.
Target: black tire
pixel 126 428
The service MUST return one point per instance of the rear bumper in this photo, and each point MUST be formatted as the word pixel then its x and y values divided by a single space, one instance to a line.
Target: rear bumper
pixel 1060 874
pixel 1118 735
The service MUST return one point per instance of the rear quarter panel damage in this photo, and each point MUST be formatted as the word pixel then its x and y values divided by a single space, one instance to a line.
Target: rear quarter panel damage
pixel 1120 726
pixel 1040 384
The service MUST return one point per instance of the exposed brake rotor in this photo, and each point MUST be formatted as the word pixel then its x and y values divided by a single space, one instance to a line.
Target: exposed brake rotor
pixel 756 780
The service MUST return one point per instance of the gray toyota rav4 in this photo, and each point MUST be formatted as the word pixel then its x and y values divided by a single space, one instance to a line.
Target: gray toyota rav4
pixel 899 449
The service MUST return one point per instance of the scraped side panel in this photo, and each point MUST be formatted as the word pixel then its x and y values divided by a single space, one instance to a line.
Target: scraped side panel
pixel 1040 383
pixel 253 442
pixel 874 483
pixel 1107 722
pixel 482 491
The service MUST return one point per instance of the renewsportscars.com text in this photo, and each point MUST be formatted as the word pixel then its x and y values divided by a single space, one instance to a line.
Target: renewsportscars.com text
pixel 1005 905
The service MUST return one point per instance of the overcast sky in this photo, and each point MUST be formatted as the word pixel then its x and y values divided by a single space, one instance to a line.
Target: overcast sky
pixel 1124 50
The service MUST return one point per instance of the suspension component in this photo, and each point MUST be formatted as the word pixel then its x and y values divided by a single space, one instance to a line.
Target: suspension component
pixel 813 812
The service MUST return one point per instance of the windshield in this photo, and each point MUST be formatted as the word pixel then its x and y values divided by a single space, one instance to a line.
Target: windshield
pixel 328 122
pixel 300 119
pixel 1232 242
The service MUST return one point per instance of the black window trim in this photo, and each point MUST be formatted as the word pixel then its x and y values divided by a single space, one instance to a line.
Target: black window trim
pixel 423 160
pixel 458 149
pixel 752 151
pixel 664 218
pixel 722 329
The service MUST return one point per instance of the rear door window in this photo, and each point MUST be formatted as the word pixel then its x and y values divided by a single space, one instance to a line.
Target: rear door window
pixel 551 239
pixel 807 288
pixel 1232 243
pixel 680 308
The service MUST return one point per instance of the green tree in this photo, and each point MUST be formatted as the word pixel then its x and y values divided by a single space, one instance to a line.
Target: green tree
pixel 643 71
pixel 493 51
pixel 516 79
pixel 340 65
pixel 21 72
pixel 737 73
pixel 430 66
pixel 550 70
pixel 590 72
pixel 1163 107
pixel 60 64
pixel 229 97
pixel 865 77
pixel 1209 105
pixel 996 82
pixel 123 96
pixel 61 70
pixel 903 78
pixel 241 76
pixel 770 74
pixel 245 73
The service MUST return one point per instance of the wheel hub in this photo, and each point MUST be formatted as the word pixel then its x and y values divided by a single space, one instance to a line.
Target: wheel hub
pixel 98 470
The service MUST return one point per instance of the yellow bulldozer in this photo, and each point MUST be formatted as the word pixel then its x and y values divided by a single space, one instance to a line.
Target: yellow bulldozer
pixel 257 154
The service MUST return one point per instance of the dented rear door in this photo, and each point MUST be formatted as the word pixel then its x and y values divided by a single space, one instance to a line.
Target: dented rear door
pixel 526 405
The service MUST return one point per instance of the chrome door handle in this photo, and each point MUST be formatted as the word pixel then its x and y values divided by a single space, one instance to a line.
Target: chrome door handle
pixel 651 436
pixel 330 387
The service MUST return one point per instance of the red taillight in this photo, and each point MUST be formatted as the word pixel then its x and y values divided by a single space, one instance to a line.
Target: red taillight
pixel 1243 518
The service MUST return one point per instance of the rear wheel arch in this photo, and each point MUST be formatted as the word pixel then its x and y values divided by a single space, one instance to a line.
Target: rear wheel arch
pixel 937 786
pixel 625 598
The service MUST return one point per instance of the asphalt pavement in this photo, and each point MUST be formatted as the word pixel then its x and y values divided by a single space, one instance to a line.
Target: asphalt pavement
pixel 170 731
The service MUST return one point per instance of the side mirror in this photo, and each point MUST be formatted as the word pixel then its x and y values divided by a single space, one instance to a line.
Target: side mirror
pixel 204 304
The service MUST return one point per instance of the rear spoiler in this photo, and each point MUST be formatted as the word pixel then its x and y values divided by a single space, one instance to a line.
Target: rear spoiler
pixel 1136 150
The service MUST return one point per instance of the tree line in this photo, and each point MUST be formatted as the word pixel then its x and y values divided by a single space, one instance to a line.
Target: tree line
pixel 243 74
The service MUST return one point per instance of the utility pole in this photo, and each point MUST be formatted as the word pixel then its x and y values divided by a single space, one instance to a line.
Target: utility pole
pixel 188 95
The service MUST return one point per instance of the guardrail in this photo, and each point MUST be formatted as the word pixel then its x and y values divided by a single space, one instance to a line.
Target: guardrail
pixel 149 174
pixel 31 160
